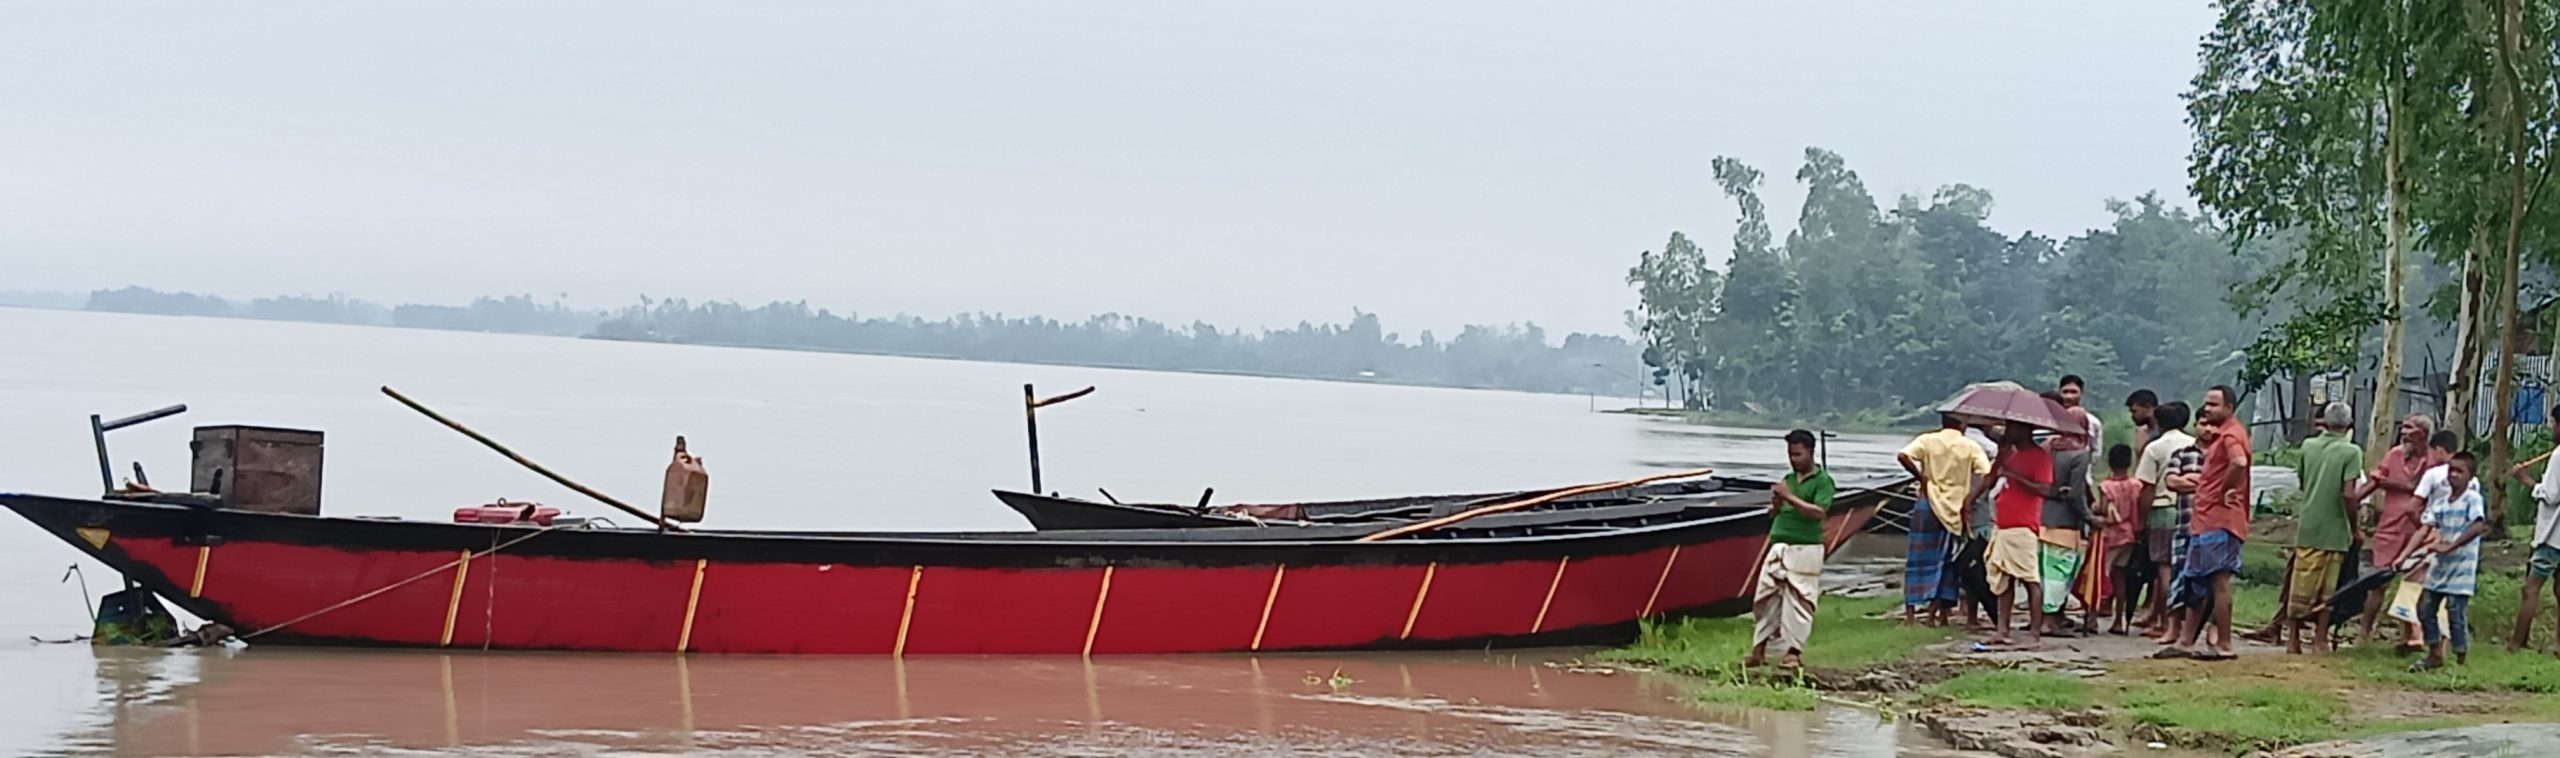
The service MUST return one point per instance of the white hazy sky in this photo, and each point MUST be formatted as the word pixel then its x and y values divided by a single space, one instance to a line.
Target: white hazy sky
pixel 1249 164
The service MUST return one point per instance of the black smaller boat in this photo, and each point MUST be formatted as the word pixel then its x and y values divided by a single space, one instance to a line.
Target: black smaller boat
pixel 1058 513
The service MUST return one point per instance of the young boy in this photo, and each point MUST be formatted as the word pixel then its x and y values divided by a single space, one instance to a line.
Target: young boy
pixel 1782 600
pixel 2398 522
pixel 2455 518
pixel 2126 570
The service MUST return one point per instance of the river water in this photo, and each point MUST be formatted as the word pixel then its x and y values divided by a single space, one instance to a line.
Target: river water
pixel 812 441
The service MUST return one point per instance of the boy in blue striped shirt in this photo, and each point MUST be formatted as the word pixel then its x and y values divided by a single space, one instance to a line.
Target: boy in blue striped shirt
pixel 2455 517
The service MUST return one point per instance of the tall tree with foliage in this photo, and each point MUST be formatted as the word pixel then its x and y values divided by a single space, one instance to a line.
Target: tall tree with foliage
pixel 1676 304
pixel 1756 306
pixel 2304 115
pixel 2526 101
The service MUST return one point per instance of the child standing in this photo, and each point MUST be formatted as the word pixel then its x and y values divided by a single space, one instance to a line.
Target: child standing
pixel 2122 578
pixel 2455 518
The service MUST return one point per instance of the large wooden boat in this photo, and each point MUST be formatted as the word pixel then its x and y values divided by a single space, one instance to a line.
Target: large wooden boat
pixel 326 580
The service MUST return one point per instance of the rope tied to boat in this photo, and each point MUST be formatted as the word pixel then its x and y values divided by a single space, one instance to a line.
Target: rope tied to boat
pixel 377 592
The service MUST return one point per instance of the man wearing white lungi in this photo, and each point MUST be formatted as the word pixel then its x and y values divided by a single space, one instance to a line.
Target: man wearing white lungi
pixel 1783 598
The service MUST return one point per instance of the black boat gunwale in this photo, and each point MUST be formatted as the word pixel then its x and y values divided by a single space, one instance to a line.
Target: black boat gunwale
pixel 63 516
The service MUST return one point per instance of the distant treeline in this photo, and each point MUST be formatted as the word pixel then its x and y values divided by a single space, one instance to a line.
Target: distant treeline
pixel 518 314
pixel 1517 357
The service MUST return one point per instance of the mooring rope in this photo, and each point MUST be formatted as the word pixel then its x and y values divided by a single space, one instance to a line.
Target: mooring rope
pixel 396 585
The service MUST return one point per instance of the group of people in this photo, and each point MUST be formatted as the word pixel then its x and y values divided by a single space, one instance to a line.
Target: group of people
pixel 2150 543
pixel 2028 515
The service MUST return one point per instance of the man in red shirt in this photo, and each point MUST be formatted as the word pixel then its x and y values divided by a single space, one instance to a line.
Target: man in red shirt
pixel 2220 525
pixel 2014 557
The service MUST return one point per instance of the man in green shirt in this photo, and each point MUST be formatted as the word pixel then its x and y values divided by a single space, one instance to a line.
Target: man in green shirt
pixel 2331 462
pixel 1783 598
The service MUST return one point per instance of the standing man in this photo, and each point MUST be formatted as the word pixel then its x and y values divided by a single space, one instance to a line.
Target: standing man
pixel 1949 467
pixel 2330 465
pixel 2072 450
pixel 2144 405
pixel 2220 524
pixel 1782 600
pixel 2395 477
pixel 1973 585
pixel 2066 515
pixel 2025 471
pixel 2545 559
pixel 2160 522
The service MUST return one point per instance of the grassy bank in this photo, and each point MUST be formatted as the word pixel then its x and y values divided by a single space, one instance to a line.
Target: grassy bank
pixel 1846 639
pixel 2263 700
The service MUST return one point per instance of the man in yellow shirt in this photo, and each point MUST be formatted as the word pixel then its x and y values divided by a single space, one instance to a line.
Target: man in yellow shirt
pixel 1950 467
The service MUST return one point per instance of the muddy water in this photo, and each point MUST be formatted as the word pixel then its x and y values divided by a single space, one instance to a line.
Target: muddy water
pixel 810 441
pixel 323 701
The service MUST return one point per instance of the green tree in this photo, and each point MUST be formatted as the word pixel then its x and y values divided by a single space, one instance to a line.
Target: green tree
pixel 2526 99
pixel 2303 117
pixel 1676 300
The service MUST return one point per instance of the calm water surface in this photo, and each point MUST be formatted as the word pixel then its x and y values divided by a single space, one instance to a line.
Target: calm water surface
pixel 810 441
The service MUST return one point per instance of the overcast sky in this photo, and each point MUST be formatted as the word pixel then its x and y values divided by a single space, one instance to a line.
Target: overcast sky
pixel 1246 164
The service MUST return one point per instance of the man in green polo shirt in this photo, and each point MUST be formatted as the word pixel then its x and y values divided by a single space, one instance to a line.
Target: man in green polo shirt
pixel 1782 599
pixel 2331 462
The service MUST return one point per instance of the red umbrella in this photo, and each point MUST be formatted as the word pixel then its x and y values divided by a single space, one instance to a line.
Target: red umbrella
pixel 2008 403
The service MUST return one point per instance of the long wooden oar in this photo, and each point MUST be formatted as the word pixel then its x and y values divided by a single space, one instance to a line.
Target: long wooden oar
pixel 1527 502
pixel 537 468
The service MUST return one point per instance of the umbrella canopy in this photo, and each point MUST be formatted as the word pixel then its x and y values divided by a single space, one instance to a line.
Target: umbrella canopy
pixel 2009 403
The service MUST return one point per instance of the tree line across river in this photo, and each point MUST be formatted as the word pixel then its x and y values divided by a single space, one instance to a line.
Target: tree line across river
pixel 1514 357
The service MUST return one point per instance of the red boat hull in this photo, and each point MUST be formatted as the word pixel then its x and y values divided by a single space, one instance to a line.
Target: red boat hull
pixel 314 580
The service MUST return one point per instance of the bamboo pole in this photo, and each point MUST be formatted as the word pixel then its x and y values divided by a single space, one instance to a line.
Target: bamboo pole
pixel 1527 502
pixel 537 468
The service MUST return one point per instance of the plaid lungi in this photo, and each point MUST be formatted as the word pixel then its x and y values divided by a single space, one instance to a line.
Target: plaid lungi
pixel 1924 567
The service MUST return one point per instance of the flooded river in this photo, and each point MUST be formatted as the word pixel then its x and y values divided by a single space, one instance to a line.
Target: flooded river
pixel 812 441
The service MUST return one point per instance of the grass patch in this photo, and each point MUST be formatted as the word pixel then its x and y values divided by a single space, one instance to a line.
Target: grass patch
pixel 2539 708
pixel 1843 637
pixel 2250 716
pixel 2262 562
pixel 1775 696
pixel 2253 603
pixel 2491 670
pixel 2005 688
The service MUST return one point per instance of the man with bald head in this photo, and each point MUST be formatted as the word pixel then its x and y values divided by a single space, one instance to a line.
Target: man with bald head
pixel 2331 464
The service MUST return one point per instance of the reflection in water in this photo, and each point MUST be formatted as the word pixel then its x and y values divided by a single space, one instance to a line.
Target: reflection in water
pixel 294 701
